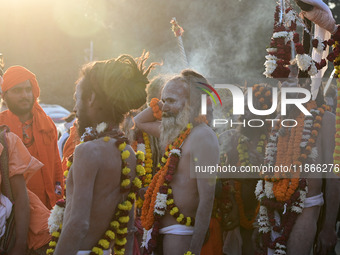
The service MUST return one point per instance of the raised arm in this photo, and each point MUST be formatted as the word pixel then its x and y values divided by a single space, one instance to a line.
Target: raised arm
pixel 146 121
pixel 84 171
pixel 206 153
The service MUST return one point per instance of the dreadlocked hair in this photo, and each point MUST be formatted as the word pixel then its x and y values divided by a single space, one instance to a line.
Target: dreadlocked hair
pixel 118 83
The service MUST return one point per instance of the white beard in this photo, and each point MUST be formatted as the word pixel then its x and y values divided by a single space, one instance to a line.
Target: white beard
pixel 172 126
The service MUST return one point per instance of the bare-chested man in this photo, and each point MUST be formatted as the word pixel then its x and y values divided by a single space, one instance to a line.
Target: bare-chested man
pixel 193 197
pixel 105 91
pixel 300 222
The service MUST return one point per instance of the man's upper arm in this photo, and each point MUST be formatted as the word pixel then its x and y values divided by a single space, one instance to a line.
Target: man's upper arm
pixel 205 153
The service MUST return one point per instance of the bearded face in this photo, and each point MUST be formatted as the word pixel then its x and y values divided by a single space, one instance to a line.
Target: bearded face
pixel 176 111
pixel 172 124
pixel 19 99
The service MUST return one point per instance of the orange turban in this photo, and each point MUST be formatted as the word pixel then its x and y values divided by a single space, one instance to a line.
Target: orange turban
pixel 17 74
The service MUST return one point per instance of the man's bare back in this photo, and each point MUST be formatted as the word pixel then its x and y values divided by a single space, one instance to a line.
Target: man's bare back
pixel 97 168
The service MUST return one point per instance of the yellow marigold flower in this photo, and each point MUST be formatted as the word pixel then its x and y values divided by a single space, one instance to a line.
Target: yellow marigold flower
pixel 188 223
pixel 139 203
pixel 119 252
pixel 52 244
pixel 189 253
pixel 163 160
pixel 169 191
pixel 149 154
pixel 169 201
pixel 125 183
pixel 126 170
pixel 56 234
pixel 174 210
pixel 189 125
pixel 121 242
pixel 122 231
pixel 104 243
pixel 106 138
pixel 122 146
pixel 49 251
pixel 125 154
pixel 148 165
pixel 180 218
pixel 132 196
pixel 65 173
pixel 126 206
pixel 140 155
pixel 115 224
pixel 170 146
pixel 124 219
pixel 69 163
pixel 166 153
pixel 97 250
pixel 140 170
pixel 137 182
pixel 110 234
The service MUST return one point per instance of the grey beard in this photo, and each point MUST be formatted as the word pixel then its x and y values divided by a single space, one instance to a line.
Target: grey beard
pixel 171 127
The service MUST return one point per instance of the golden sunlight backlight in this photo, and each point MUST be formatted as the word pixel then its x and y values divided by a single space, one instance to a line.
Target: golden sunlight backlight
pixel 80 18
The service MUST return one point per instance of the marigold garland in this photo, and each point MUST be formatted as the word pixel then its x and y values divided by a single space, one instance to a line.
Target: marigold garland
pixel 270 191
pixel 118 227
pixel 158 197
pixel 157 112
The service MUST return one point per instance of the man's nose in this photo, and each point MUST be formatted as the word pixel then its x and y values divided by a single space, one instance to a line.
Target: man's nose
pixel 165 107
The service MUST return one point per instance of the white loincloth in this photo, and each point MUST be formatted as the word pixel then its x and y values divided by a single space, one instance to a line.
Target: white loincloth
pixel 5 212
pixel 309 202
pixel 314 200
pixel 177 229
pixel 105 252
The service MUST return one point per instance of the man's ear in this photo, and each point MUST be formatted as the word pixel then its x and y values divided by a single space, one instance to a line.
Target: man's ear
pixel 92 99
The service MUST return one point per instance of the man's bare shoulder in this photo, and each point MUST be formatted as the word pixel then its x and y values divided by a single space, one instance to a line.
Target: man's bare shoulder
pixel 203 133
pixel 96 151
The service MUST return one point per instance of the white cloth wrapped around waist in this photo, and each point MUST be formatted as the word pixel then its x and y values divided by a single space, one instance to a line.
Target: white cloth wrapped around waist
pixel 105 252
pixel 177 229
pixel 314 200
pixel 5 212
pixel 309 202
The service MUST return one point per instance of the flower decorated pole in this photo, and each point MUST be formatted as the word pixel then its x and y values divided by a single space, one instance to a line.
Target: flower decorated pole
pixel 178 31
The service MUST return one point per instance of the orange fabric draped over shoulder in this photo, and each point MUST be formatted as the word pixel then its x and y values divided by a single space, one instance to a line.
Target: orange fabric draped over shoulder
pixel 70 145
pixel 21 162
pixel 45 138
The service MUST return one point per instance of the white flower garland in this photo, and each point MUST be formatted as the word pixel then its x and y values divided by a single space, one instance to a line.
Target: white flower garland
pixel 56 218
pixel 141 147
pixel 175 151
pixel 101 127
pixel 160 204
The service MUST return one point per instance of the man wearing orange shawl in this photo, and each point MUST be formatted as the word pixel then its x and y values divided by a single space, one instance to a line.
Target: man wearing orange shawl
pixel 22 165
pixel 26 119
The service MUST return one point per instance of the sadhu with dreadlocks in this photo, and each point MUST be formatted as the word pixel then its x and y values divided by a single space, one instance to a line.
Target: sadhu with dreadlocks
pixel 102 179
